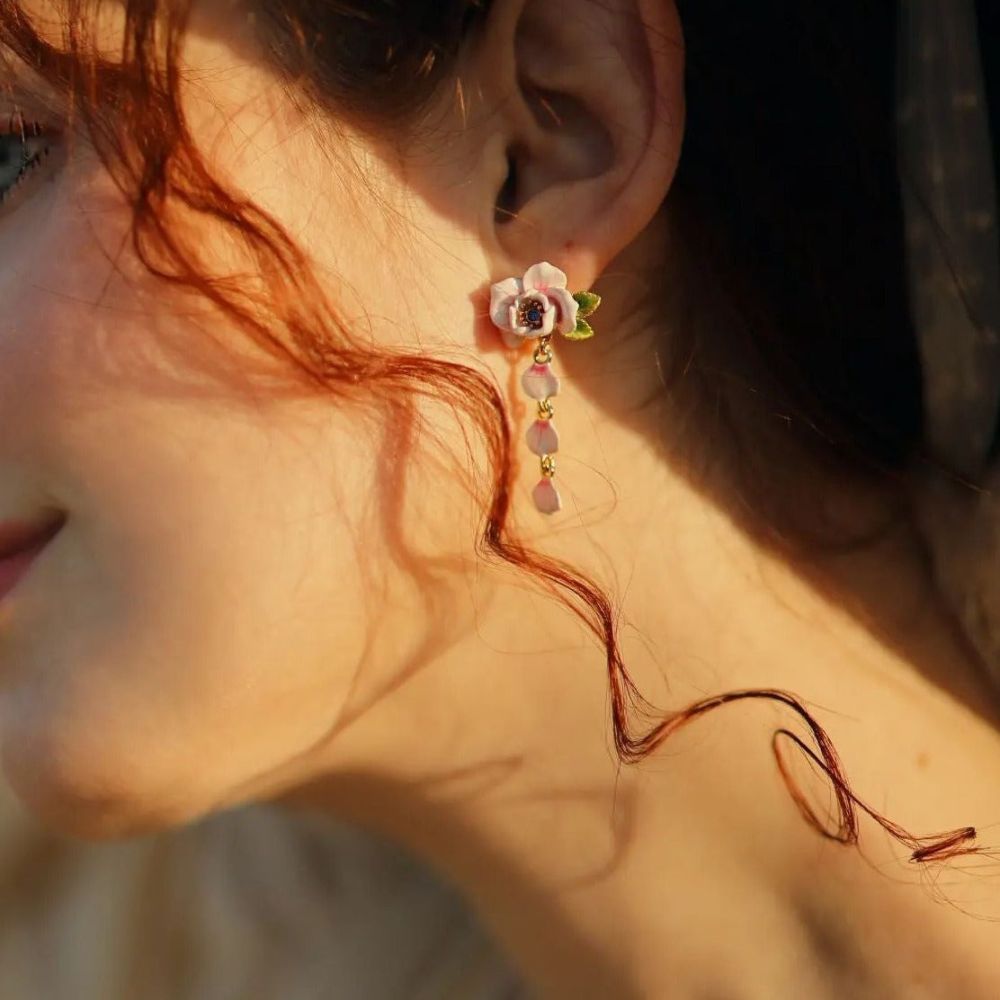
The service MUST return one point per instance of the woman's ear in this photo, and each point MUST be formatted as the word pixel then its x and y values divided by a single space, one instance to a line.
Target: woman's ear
pixel 588 95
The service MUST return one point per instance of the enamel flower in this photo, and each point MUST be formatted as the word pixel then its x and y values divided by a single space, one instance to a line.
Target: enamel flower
pixel 534 306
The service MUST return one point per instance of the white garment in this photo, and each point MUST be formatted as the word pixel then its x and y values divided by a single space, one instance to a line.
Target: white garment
pixel 256 903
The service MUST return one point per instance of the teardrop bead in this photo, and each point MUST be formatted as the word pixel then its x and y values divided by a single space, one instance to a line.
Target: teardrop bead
pixel 539 382
pixel 542 438
pixel 546 497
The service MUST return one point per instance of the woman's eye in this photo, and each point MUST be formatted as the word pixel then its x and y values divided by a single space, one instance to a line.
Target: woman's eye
pixel 25 146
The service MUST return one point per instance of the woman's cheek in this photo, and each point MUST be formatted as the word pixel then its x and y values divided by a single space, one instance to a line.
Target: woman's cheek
pixel 196 625
pixel 200 619
pixel 145 705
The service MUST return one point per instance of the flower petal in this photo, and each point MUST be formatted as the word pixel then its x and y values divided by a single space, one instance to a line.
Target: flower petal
pixel 538 382
pixel 568 308
pixel 546 497
pixel 542 277
pixel 549 317
pixel 542 438
pixel 512 323
pixel 501 296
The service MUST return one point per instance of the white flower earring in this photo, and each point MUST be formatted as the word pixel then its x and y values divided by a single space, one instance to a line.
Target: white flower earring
pixel 534 308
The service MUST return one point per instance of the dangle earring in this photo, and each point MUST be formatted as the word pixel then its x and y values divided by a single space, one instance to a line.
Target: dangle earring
pixel 533 309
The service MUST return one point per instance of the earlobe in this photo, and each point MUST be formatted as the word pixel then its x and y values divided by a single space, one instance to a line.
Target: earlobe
pixel 591 97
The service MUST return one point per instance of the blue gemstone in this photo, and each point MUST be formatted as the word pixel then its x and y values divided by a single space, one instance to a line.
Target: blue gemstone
pixel 534 316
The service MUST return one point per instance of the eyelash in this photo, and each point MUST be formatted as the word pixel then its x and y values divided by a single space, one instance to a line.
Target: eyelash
pixel 32 143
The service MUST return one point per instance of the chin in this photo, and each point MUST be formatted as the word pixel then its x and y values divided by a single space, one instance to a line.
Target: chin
pixel 91 804
pixel 93 820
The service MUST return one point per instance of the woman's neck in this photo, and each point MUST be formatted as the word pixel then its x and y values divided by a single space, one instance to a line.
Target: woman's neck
pixel 494 762
pixel 486 749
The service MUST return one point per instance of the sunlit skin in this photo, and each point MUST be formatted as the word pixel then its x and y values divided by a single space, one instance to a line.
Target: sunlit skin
pixel 222 620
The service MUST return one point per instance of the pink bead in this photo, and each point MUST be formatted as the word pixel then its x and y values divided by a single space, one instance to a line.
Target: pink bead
pixel 542 438
pixel 546 497
pixel 539 382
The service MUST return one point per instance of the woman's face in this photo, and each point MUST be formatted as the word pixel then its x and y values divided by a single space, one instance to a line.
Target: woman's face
pixel 221 580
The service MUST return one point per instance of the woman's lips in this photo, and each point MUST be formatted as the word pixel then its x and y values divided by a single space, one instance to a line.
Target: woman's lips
pixel 20 545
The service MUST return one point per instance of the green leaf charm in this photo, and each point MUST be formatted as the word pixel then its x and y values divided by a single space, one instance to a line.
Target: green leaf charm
pixel 587 301
pixel 582 331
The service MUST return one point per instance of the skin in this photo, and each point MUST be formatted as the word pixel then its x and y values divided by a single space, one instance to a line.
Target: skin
pixel 222 620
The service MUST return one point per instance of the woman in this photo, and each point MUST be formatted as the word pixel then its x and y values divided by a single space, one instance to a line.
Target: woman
pixel 252 382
